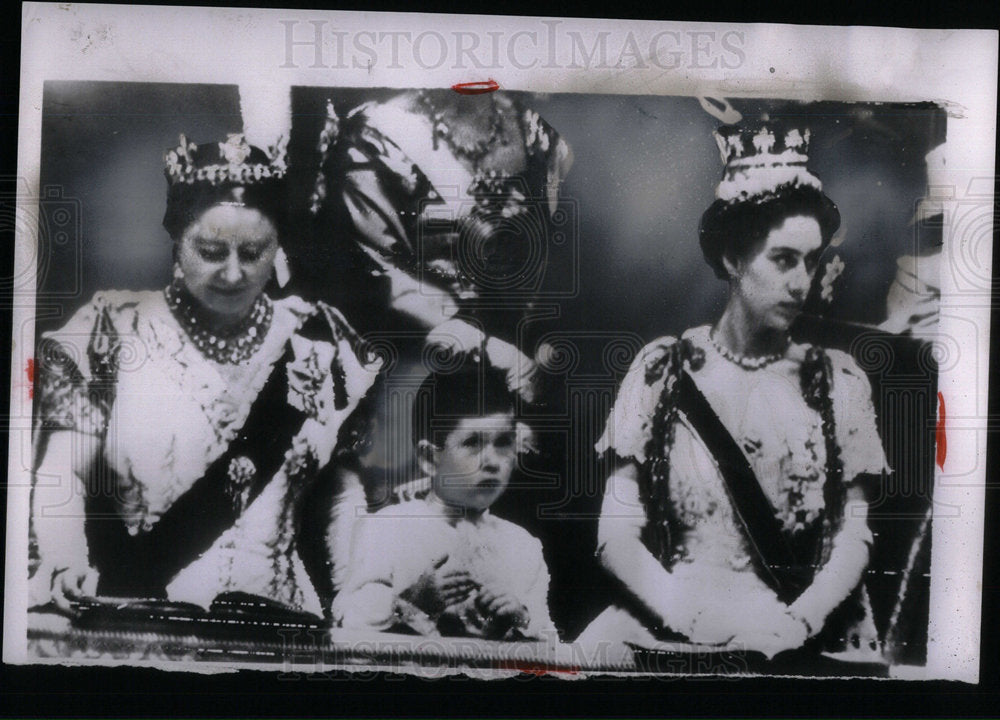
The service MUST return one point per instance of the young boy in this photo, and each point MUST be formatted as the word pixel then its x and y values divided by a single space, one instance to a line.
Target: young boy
pixel 439 563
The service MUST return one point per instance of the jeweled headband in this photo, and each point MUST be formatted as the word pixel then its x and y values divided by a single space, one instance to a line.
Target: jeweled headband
pixel 232 172
pixel 232 161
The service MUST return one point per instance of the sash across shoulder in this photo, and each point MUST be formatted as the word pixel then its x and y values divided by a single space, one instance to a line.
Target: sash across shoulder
pixel 142 565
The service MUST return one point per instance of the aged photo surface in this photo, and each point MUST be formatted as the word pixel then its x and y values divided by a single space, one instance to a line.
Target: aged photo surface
pixel 378 359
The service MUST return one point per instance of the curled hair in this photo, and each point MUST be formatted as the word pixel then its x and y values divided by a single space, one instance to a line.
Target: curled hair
pixel 734 229
pixel 445 398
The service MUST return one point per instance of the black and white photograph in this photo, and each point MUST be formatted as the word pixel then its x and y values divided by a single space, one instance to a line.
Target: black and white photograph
pixel 496 378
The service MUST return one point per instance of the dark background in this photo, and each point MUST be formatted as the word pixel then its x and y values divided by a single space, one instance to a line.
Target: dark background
pixel 645 169
pixel 47 691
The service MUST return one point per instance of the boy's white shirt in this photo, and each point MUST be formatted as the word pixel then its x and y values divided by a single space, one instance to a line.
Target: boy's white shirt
pixel 393 547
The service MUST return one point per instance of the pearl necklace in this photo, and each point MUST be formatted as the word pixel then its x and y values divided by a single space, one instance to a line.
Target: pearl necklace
pixel 236 344
pixel 747 363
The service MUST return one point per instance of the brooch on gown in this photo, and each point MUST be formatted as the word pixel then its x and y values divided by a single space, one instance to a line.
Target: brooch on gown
pixel 242 472
pixel 310 375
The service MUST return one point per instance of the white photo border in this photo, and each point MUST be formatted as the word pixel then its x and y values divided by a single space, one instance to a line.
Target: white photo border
pixel 957 69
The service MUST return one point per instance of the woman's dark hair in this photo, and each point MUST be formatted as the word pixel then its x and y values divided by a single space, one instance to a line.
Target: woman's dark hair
pixel 733 229
pixel 187 201
pixel 446 397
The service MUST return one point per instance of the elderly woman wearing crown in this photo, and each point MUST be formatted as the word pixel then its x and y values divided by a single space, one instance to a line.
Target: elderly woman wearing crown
pixel 178 428
pixel 736 515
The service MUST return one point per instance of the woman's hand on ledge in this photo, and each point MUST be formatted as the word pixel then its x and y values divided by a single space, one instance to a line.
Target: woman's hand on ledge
pixel 62 586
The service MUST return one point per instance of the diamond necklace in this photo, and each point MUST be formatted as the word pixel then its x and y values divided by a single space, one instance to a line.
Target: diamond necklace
pixel 233 346
pixel 747 363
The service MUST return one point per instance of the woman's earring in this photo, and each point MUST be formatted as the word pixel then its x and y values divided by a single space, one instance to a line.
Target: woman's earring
pixel 282 273
pixel 178 273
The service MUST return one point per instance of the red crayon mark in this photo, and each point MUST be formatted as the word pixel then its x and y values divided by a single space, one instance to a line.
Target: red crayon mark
pixel 942 439
pixel 30 370
pixel 476 88
pixel 537 670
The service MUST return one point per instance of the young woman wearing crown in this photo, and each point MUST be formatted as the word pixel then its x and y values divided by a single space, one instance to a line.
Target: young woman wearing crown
pixel 177 429
pixel 736 513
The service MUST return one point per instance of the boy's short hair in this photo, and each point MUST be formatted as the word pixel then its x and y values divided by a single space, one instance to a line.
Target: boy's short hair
pixel 474 389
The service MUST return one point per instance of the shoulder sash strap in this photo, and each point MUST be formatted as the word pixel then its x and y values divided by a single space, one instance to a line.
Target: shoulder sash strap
pixel 142 565
pixel 775 559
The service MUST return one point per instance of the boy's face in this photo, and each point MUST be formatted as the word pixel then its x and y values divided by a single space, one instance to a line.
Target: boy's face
pixel 473 467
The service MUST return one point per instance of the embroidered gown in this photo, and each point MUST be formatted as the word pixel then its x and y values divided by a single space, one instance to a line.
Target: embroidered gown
pixel 712 589
pixel 124 372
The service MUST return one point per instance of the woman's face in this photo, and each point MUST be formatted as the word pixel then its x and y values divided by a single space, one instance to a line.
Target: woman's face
pixel 227 256
pixel 772 282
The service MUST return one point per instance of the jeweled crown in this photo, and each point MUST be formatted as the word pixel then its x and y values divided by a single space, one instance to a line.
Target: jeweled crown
pixel 234 161
pixel 760 162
